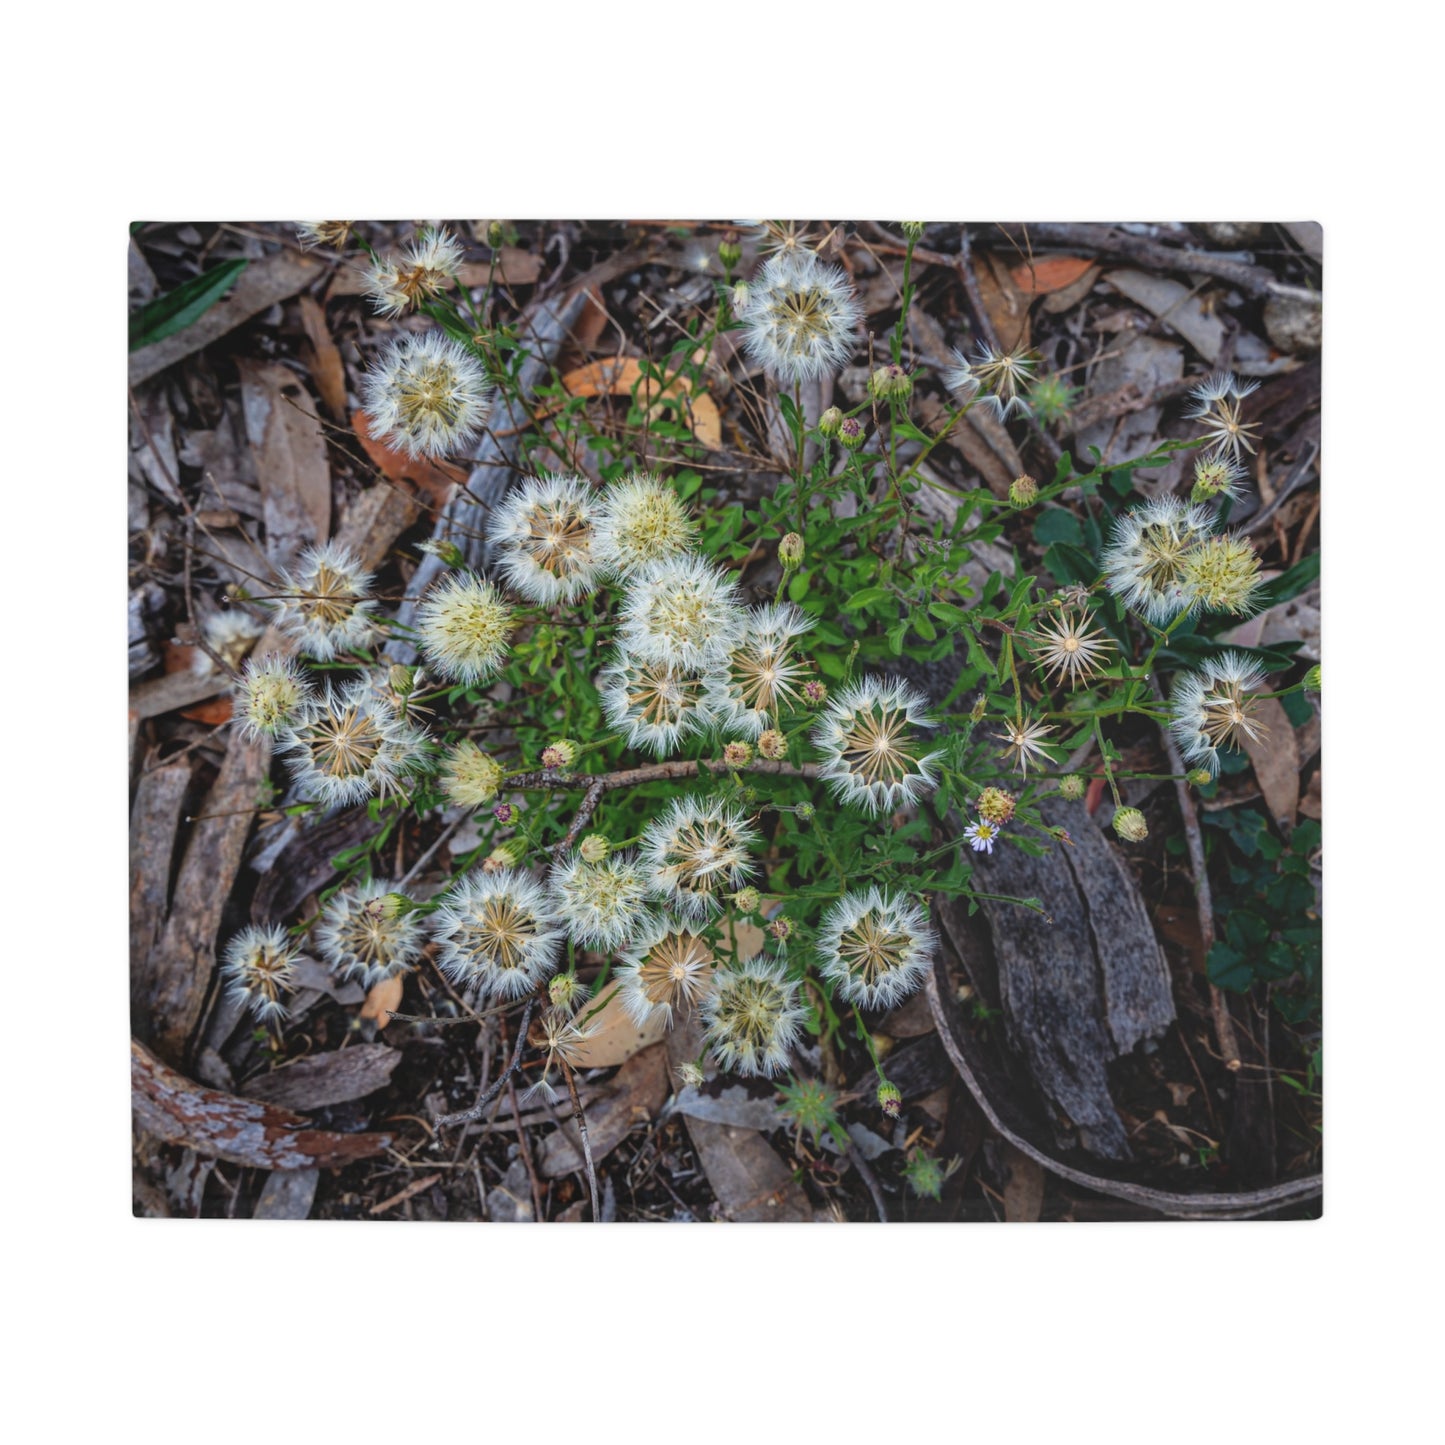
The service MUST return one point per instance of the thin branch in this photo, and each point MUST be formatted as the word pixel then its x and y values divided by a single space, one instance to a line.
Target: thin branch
pixel 586 1140
pixel 469 1116
pixel 870 1179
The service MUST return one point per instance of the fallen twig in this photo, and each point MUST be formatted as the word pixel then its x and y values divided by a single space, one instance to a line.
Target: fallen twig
pixel 467 1116
pixel 586 1140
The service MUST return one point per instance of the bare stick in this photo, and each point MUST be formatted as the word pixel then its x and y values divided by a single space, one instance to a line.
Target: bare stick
pixel 868 1177
pixel 586 1140
pixel 526 1151
pixel 468 1116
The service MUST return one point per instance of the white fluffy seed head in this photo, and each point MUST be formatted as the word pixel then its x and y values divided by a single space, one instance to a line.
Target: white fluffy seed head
pixel 498 933
pixel 325 604
pixel 873 756
pixel 602 904
pixel 1145 562
pixel 876 947
pixel 397 284
pixel 427 395
pixel 543 539
pixel 639 520
pixel 667 969
pixel 760 678
pixel 350 745
pixel 696 853
pixel 469 777
pixel 463 625
pixel 362 935
pixel 656 703
pixel 802 318
pixel 259 965
pixel 753 1018
pixel 273 693
pixel 683 612
pixel 230 635
pixel 1212 708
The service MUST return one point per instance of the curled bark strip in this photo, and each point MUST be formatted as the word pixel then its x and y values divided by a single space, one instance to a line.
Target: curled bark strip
pixel 244 1131
pixel 973 1069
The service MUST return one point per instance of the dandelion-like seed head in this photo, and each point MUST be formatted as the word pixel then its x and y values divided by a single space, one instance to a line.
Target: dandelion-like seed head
pixel 325 605
pixel 259 965
pixel 1221 574
pixel 469 777
pixel 334 234
pixel 959 378
pixel 542 533
pixel 351 745
pixel 696 853
pixel 657 703
pixel 640 520
pixel 763 675
pixel 752 1017
pixel 601 904
pixel 668 967
pixel 1144 564
pixel 1217 476
pixel 1001 376
pixel 875 947
pixel 462 626
pixel 230 635
pixel 427 395
pixel 802 318
pixel 1218 403
pixel 363 935
pixel 1212 708
pixel 563 1043
pixel 1025 740
pixel 1068 649
pixel 498 933
pixel 273 693
pixel 397 284
pixel 683 612
pixel 872 755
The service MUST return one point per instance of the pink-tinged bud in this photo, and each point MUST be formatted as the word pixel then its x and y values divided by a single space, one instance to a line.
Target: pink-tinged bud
pixel 772 745
pixel 737 755
pixel 890 1099
pixel 561 754
pixel 815 693
pixel 850 433
pixel 504 812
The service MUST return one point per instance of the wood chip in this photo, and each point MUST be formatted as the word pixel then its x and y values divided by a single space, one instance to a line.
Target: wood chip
pixel 332 1078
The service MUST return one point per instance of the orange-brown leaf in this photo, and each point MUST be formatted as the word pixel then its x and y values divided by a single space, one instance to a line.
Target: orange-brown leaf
pixel 436 479
pixel 1049 273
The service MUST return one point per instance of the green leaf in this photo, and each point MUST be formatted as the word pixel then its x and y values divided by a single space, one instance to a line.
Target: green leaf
pixel 866 597
pixel 1289 584
pixel 1229 969
pixel 790 415
pixel 1067 563
pixel 1065 469
pixel 186 304
pixel 1058 524
pixel 948 614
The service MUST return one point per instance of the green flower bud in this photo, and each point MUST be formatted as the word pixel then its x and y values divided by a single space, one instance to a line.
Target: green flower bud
pixel 815 693
pixel 804 811
pixel 1023 491
pixel 912 230
pixel 1072 787
pixel 890 1099
pixel 1129 824
pixel 1312 678
pixel 595 847
pixel 506 855
pixel 1200 777
pixel 746 900
pixel 891 382
pixel 830 421
pixel 496 233
pixel 729 252
pixel 737 755
pixel 996 805
pixel 790 552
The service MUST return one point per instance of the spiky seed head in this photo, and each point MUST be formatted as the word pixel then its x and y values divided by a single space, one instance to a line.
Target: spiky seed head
pixel 595 847
pixel 1217 476
pixel 873 756
pixel 470 778
pixel 427 395
pixel 325 604
pixel 639 520
pixel 1144 564
pixel 890 1098
pixel 772 744
pixel 273 693
pixel 667 969
pixel 350 745
pixel 875 946
pixel 696 853
pixel 762 675
pixel 690 1075
pixel 1072 787
pixel 1130 825
pixel 851 433
pixel 747 900
pixel 563 1041
pixel 1212 708
pixel 1218 402
pixel 657 703
pixel 1221 574
pixel 332 234
pixel 365 934
pixel 683 612
pixel 230 635
pixel 498 933
pixel 398 284
pixel 753 1018
pixel 802 318
pixel 1001 375
pixel 912 230
pixel 259 965
pixel 791 551
pixel 1023 491
pixel 1051 399
pixel 463 625
pixel 1068 649
pixel 602 904
pixel 924 1174
pixel 542 536
pixel 804 811
pixel 996 805
pixel 1024 740
pixel 737 755
pixel 830 421
pixel 1199 777
pixel 811 1105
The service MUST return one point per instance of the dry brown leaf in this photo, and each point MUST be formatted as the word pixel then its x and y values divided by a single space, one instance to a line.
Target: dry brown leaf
pixel 436 479
pixel 327 370
pixel 382 999
pixel 1312 804
pixel 335 1077
pixel 1276 762
pixel 1023 1195
pixel 1049 273
pixel 212 713
pixel 614 1037
pixel 620 375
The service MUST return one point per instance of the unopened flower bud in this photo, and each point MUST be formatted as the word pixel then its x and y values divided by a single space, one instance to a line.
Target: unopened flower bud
pixel 804 811
pixel 740 298
pixel 1072 787
pixel 595 847
pixel 996 805
pixel 790 552
pixel 890 1099
pixel 1312 678
pixel 504 812
pixel 496 232
pixel 737 755
pixel 562 990
pixel 772 745
pixel 444 551
pixel 891 383
pixel 560 754
pixel 1023 491
pixel 850 433
pixel 830 421
pixel 976 712
pixel 729 252
pixel 506 855
pixel 389 905
pixel 781 929
pixel 690 1075
pixel 1129 824
pixel 1200 777
pixel 746 900
pixel 912 230
pixel 402 680
pixel 815 693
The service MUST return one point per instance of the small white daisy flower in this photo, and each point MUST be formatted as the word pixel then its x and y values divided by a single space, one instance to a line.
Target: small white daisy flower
pixel 1144 563
pixel 1211 708
pixel 427 395
pixel 273 692
pixel 463 624
pixel 542 533
pixel 802 318
pixel 639 520
pixel 982 835
pixel 872 755
pixel 603 904
pixel 364 934
pixel 697 852
pixel 683 612
pixel 876 947
pixel 1067 648
pixel 497 932
pixel 668 967
pixel 1025 740
pixel 752 1017
pixel 350 745
pixel 325 605
pixel 397 284
pixel 656 703
pixel 259 965
pixel 762 675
